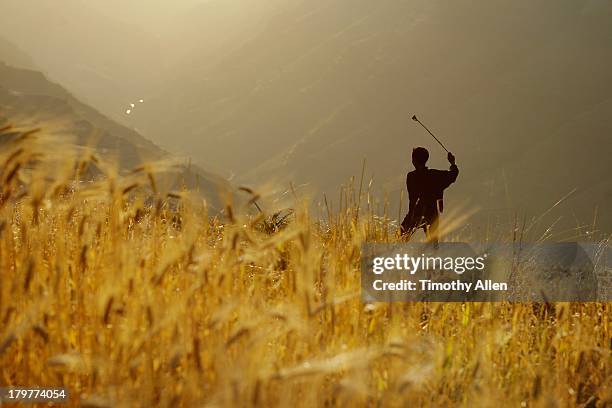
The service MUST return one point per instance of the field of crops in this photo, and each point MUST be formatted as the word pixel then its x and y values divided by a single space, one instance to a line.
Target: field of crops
pixel 130 296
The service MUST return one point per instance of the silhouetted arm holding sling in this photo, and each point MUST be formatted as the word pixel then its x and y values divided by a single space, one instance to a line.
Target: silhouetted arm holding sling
pixel 450 176
pixel 443 179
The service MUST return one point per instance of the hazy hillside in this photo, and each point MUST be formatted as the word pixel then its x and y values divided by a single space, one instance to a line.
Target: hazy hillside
pixel 27 97
pixel 17 57
pixel 198 34
pixel 111 53
pixel 520 91
pixel 106 62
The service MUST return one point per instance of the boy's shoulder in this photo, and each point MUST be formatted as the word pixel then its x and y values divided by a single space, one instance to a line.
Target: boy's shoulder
pixel 437 171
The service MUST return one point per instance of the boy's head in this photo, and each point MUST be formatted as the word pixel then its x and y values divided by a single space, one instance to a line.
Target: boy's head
pixel 420 155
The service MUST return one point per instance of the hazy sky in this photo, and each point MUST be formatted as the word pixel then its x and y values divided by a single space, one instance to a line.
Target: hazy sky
pixel 146 13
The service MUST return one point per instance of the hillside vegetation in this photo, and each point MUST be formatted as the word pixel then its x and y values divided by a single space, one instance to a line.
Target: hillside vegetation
pixel 133 296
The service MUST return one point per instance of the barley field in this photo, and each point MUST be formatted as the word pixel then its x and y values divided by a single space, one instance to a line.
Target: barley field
pixel 131 296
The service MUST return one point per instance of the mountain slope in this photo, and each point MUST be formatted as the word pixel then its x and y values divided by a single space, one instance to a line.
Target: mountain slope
pixel 105 62
pixel 110 53
pixel 15 55
pixel 28 97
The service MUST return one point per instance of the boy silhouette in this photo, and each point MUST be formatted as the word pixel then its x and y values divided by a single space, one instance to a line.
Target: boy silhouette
pixel 425 193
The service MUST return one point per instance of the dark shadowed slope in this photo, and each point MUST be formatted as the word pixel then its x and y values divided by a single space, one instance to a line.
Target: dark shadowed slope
pixel 519 90
pixel 27 97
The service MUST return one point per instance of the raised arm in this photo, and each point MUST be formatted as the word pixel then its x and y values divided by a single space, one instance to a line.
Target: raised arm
pixel 447 177
pixel 453 172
